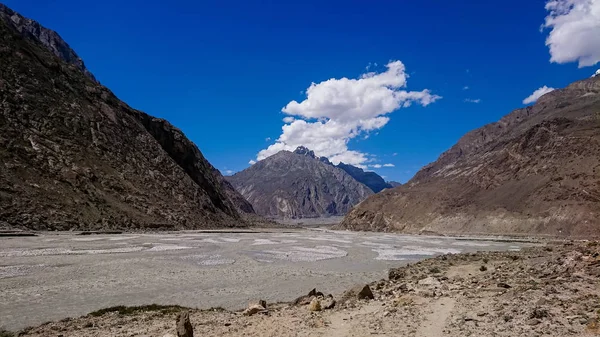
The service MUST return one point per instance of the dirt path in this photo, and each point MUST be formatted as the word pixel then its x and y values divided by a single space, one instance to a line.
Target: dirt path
pixel 350 323
pixel 438 313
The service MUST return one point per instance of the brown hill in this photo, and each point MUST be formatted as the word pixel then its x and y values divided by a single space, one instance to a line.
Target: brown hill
pixel 298 185
pixel 73 156
pixel 536 171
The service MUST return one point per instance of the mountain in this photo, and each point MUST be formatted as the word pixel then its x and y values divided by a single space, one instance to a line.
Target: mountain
pixel 371 179
pixel 74 156
pixel 298 185
pixel 536 171
pixel 394 183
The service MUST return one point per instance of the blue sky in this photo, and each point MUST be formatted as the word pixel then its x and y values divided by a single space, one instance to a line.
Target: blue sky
pixel 222 71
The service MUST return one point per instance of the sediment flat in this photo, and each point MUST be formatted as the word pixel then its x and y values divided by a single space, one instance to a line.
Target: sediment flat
pixel 57 275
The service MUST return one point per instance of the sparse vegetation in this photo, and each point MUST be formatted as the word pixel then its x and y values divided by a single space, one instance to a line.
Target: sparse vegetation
pixel 6 333
pixel 125 311
pixel 435 270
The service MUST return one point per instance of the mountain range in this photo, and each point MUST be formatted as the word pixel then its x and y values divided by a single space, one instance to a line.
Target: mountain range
pixel 75 157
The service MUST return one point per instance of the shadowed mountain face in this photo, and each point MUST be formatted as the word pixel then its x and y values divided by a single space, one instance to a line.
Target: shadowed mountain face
pixel 74 156
pixel 536 171
pixel 373 181
pixel 298 185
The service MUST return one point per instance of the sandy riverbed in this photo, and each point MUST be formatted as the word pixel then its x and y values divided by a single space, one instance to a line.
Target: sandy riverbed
pixel 53 276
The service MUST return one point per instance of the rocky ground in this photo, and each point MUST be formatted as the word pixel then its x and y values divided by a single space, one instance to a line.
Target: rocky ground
pixel 543 291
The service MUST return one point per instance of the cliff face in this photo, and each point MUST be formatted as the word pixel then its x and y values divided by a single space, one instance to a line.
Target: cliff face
pixel 536 171
pixel 74 156
pixel 298 185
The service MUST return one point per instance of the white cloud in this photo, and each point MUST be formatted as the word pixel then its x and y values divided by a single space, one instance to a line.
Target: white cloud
pixel 466 87
pixel 228 172
pixel 252 162
pixel 267 139
pixel 389 165
pixel 471 100
pixel 338 110
pixel 395 154
pixel 537 94
pixel 375 166
pixel 575 31
pixel 597 73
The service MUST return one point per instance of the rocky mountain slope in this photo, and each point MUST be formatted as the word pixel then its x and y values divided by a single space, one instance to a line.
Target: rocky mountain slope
pixel 298 185
pixel 74 156
pixel 536 171
pixel 373 180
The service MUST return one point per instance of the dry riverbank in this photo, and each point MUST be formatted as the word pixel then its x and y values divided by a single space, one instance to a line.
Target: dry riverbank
pixel 538 291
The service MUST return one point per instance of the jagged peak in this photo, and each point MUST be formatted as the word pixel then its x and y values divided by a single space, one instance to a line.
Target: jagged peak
pixel 47 37
pixel 305 151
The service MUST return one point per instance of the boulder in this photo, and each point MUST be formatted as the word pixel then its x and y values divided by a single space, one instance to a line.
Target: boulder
pixel 184 326
pixel 305 299
pixel 328 303
pixel 255 308
pixel 359 292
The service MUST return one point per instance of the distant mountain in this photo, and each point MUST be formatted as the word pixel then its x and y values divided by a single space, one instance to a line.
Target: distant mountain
pixel 394 183
pixel 371 179
pixel 298 185
pixel 536 171
pixel 75 157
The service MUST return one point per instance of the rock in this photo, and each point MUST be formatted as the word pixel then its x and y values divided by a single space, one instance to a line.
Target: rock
pixel 304 300
pixel 328 303
pixel 539 313
pixel 403 288
pixel 359 292
pixel 504 285
pixel 315 305
pixel 429 281
pixel 253 309
pixel 169 335
pixel 184 326
pixel 396 274
pixel 261 303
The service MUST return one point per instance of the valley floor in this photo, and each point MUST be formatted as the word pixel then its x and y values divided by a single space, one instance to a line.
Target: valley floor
pixel 54 276
pixel 540 291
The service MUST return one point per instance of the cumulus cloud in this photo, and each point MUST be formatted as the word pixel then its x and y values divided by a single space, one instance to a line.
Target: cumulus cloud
pixel 471 100
pixel 338 110
pixel 389 165
pixel 375 166
pixel 574 31
pixel 252 162
pixel 537 94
